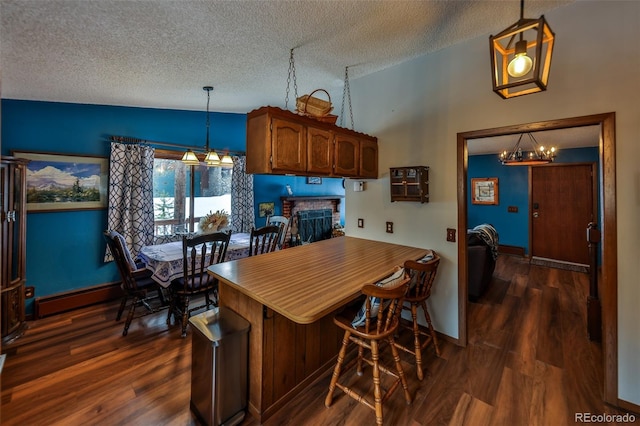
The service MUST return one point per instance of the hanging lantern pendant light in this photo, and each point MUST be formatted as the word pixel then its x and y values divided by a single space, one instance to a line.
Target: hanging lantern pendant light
pixel 522 68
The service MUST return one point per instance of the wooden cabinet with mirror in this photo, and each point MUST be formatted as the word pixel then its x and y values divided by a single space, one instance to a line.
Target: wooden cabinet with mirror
pixel 13 172
pixel 409 183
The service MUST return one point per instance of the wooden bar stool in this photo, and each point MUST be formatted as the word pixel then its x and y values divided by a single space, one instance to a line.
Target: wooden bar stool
pixel 381 318
pixel 422 275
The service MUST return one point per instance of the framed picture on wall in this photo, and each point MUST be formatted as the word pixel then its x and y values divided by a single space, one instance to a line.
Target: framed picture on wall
pixel 484 191
pixel 266 209
pixel 58 182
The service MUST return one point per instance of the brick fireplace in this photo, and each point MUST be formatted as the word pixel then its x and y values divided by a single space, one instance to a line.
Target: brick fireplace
pixel 292 205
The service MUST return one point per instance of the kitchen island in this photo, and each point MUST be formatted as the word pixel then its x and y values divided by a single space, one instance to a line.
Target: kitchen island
pixel 290 297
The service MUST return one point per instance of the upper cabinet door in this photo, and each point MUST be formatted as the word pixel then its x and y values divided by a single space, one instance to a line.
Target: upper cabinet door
pixel 369 158
pixel 347 155
pixel 319 151
pixel 289 146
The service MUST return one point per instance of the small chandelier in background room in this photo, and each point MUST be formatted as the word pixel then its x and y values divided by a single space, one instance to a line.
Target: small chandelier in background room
pixel 521 57
pixel 537 156
pixel 211 157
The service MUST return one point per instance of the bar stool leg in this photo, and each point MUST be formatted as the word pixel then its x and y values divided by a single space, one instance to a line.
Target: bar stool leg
pixel 431 330
pixel 416 341
pixel 403 379
pixel 377 393
pixel 360 358
pixel 336 371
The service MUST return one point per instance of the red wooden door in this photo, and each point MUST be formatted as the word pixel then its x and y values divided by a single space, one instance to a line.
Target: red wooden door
pixel 562 205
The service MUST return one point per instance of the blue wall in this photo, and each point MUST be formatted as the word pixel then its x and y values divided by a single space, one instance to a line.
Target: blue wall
pixel 65 249
pixel 513 183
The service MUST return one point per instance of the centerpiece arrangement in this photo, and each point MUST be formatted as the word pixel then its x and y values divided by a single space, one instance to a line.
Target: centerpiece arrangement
pixel 213 222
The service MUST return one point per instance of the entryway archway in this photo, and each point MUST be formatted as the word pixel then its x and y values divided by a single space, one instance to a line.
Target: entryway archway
pixel 608 227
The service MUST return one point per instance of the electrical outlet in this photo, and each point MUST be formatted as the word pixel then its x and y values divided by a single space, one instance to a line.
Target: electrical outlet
pixel 390 227
pixel 360 223
pixel 451 235
pixel 29 292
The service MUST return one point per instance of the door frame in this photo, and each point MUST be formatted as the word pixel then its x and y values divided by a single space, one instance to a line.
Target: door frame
pixel 608 228
pixel 594 196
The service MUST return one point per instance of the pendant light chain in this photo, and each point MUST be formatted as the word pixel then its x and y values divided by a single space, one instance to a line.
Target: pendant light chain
pixel 346 93
pixel 208 89
pixel 291 75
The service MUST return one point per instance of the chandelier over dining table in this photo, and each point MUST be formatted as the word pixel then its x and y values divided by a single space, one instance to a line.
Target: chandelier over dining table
pixel 211 159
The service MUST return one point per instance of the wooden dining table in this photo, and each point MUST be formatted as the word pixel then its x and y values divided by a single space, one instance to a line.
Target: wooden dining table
pixel 166 260
pixel 290 298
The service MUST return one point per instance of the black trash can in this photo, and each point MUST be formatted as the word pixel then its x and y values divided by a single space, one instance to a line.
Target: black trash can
pixel 219 352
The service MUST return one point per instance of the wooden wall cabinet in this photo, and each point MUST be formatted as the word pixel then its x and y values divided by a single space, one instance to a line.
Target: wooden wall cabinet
pixel 368 158
pixel 289 146
pixel 13 172
pixel 282 142
pixel 409 183
pixel 347 155
pixel 319 151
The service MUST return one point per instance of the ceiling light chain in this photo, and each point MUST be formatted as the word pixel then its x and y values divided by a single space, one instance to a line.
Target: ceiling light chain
pixel 346 93
pixel 211 156
pixel 291 74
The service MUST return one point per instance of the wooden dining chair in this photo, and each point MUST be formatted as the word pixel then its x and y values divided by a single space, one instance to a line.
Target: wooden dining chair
pixel 381 312
pixel 280 220
pixel 422 275
pixel 137 284
pixel 265 239
pixel 199 252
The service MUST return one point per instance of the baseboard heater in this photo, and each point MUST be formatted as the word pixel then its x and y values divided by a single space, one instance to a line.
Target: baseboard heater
pixel 62 302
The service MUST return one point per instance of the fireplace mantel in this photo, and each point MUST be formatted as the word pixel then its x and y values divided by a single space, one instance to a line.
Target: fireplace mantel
pixel 292 200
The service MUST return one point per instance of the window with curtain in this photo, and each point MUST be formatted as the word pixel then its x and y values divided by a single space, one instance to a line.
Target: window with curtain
pixel 178 190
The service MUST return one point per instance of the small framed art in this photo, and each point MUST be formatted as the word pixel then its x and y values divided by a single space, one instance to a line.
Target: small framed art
pixel 266 209
pixel 484 191
pixel 314 180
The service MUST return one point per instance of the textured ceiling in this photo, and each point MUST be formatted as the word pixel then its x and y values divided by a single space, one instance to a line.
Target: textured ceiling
pixel 161 53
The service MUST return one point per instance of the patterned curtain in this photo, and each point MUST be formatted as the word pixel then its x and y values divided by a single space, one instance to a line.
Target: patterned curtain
pixel 242 212
pixel 131 195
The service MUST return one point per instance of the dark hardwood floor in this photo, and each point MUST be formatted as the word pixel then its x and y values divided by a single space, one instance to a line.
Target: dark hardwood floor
pixel 528 362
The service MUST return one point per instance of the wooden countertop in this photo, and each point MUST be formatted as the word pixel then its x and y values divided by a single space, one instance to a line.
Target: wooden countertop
pixel 307 282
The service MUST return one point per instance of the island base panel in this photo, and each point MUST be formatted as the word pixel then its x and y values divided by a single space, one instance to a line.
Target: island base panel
pixel 284 357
